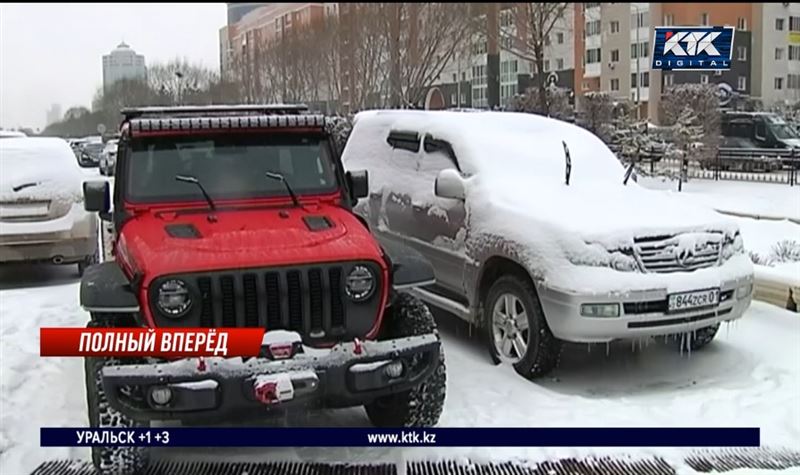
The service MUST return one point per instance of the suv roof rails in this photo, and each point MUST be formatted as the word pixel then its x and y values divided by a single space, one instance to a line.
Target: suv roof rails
pixel 245 109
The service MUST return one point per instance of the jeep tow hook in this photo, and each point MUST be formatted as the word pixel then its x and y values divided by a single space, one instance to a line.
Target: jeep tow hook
pixel 273 389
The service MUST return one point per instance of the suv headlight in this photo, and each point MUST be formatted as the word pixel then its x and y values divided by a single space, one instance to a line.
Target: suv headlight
pixel 360 283
pixel 732 246
pixel 596 255
pixel 174 298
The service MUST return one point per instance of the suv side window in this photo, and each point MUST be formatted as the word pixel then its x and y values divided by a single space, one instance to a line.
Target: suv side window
pixel 405 140
pixel 438 156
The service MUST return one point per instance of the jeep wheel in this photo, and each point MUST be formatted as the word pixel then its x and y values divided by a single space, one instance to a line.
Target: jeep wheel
pixel 422 405
pixel 110 460
pixel 516 330
pixel 697 339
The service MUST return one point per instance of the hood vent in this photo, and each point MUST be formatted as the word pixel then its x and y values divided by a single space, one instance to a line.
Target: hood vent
pixel 182 231
pixel 317 223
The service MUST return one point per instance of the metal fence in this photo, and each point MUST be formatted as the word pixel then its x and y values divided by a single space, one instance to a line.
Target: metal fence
pixel 735 164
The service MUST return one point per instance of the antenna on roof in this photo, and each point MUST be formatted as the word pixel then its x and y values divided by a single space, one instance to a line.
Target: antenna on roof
pixel 568 160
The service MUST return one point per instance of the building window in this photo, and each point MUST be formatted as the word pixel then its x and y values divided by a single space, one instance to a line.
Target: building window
pixel 779 24
pixel 615 84
pixel 505 18
pixel 704 79
pixel 741 83
pixel 455 77
pixel 507 42
pixel 793 81
pixel 479 47
pixel 559 64
pixel 644 49
pixel 778 53
pixel 593 56
pixel 547 40
pixel 794 52
pixel 633 80
pixel 669 79
pixel 614 27
pixel 592 27
pixel 640 20
pixel 614 55
pixel 741 23
pixel 778 83
pixel 741 53
pixel 794 23
pixel 668 19
pixel 717 72
pixel 704 19
pixel 634 51
pixel 646 79
pixel 560 38
pixel 546 65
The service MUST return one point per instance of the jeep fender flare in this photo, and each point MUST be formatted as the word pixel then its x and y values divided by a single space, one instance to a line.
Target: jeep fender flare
pixel 408 267
pixel 106 289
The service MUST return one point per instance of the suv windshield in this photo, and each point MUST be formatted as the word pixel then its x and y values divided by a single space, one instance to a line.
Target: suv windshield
pixel 230 166
pixel 784 131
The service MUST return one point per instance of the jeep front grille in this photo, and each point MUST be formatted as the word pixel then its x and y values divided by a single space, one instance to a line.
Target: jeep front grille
pixel 678 253
pixel 309 300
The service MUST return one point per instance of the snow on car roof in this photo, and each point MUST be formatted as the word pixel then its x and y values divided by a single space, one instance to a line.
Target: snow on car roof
pixel 507 143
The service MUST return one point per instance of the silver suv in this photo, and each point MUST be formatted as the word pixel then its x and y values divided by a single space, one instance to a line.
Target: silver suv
pixel 536 236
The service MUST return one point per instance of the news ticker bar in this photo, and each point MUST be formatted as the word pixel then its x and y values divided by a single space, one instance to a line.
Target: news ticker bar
pixel 440 437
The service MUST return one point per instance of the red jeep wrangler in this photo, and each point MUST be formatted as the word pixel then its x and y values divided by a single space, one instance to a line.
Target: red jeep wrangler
pixel 240 216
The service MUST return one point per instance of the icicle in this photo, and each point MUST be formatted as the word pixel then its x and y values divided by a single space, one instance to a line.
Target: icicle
pixel 608 344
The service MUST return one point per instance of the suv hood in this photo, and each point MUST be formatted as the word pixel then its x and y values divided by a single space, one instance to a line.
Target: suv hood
pixel 173 242
pixel 604 213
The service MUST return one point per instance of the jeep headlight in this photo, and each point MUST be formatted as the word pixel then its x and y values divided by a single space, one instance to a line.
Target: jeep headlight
pixel 732 246
pixel 173 298
pixel 360 283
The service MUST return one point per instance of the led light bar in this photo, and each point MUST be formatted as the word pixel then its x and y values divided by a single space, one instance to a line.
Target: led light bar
pixel 144 125
pixel 238 109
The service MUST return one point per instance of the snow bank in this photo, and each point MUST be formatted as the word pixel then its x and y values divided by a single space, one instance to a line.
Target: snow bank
pixel 788 273
pixel 38 168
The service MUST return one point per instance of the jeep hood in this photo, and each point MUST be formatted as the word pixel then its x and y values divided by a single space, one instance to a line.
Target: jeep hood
pixel 168 242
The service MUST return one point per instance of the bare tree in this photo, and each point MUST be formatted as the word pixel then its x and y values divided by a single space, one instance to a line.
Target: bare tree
pixel 178 78
pixel 705 106
pixel 597 111
pixel 526 33
pixel 557 103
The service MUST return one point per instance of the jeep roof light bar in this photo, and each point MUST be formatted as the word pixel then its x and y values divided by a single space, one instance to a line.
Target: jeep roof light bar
pixel 243 109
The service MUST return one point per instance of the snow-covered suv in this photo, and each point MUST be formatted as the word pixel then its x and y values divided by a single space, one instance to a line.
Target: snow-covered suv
pixel 536 236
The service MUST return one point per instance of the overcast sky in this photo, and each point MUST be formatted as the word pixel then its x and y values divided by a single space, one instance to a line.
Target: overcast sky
pixel 52 53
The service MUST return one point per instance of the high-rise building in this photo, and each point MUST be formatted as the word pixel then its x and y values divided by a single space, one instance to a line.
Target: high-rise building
pixel 53 114
pixel 123 63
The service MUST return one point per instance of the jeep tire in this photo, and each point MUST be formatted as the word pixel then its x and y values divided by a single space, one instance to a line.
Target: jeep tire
pixel 513 295
pixel 421 406
pixel 110 460
pixel 697 339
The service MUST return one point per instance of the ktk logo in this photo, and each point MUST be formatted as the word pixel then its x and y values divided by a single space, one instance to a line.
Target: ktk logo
pixel 692 48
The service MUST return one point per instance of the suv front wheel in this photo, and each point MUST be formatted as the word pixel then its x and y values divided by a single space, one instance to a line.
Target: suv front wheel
pixel 516 330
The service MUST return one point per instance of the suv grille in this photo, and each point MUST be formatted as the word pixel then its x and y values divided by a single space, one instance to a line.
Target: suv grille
pixel 678 253
pixel 308 300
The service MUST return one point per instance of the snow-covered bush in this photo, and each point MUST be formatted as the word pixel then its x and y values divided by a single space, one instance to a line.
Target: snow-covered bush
pixel 557 98
pixel 782 252
pixel 596 114
pixel 339 127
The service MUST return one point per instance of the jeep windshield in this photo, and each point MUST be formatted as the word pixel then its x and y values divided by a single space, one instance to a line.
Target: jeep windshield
pixel 230 166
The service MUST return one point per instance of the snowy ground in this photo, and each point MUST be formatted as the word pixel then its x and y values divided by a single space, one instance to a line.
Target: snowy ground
pixel 750 376
pixel 762 199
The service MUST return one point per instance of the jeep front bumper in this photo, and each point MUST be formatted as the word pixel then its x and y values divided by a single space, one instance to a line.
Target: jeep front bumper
pixel 231 389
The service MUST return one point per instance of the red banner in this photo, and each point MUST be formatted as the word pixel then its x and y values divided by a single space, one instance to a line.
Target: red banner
pixel 160 342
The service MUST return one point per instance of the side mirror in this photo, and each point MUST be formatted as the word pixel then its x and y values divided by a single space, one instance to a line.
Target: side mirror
pixel 359 184
pixel 449 184
pixel 96 197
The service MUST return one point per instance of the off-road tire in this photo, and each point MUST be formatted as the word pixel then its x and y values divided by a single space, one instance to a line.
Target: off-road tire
pixel 697 339
pixel 421 406
pixel 544 349
pixel 110 460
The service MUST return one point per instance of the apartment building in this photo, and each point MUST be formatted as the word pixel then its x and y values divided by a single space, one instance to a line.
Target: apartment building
pixel 776 56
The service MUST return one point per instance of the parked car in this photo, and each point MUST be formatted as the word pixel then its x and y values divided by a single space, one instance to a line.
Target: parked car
pixel 8 134
pixel 89 154
pixel 341 331
pixel 41 208
pixel 535 238
pixel 108 159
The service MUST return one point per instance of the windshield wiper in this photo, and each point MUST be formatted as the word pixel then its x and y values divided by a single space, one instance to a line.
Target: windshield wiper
pixel 195 181
pixel 282 179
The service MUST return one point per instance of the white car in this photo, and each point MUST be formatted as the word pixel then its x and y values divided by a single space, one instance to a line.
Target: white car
pixel 535 238
pixel 10 134
pixel 42 218
pixel 108 158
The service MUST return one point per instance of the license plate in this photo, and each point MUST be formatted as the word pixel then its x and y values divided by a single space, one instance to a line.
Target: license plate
pixel 691 300
pixel 23 210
